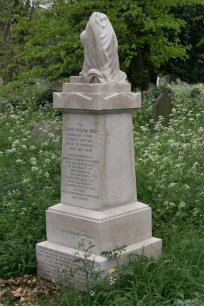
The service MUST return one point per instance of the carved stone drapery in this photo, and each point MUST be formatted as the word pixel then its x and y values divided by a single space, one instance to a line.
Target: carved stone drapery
pixel 101 62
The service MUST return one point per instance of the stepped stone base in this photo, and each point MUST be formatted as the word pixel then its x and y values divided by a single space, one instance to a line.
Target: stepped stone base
pixel 123 225
pixel 52 257
pixel 98 184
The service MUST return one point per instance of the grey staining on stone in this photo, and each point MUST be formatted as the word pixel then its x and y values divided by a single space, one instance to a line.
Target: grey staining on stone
pixel 101 62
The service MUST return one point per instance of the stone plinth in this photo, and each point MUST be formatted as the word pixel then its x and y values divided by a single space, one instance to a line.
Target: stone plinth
pixel 98 186
pixel 66 224
pixel 52 257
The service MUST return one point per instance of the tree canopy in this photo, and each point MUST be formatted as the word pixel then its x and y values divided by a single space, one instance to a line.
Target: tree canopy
pixel 150 36
pixel 192 69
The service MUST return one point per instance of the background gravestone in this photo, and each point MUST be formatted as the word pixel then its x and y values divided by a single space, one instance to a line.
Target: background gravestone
pixel 44 128
pixel 152 86
pixel 162 107
pixel 57 86
pixel 166 79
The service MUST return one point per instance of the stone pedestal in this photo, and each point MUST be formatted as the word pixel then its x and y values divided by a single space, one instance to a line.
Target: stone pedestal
pixel 98 186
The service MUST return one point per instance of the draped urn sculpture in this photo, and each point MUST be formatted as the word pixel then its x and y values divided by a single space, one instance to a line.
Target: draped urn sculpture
pixel 101 62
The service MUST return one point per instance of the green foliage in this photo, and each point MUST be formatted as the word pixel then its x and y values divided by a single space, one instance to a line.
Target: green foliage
pixel 10 12
pixel 178 148
pixel 192 69
pixel 86 261
pixel 14 95
pixel 15 18
pixel 195 93
pixel 153 36
pixel 45 97
pixel 144 30
pixel 29 186
pixel 156 92
pixel 51 48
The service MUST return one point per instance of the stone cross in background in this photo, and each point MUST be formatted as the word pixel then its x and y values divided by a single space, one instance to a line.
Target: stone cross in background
pixel 98 186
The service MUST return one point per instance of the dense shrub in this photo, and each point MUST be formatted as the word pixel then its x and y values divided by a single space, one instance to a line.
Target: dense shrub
pixel 157 91
pixel 45 97
pixel 169 164
pixel 25 95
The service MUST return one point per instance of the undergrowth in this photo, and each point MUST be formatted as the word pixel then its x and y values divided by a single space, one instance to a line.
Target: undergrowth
pixel 170 178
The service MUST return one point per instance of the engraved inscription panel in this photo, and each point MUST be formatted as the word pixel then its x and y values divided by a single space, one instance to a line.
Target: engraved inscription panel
pixel 52 264
pixel 64 231
pixel 80 160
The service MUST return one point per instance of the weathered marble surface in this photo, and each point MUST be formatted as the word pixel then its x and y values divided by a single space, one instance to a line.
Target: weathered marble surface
pixel 97 98
pixel 98 185
pixel 108 228
pixel 98 161
pixel 101 63
pixel 96 88
pixel 97 103
pixel 162 106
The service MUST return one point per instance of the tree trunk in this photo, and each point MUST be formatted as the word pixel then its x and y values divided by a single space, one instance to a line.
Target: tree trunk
pixel 141 72
pixel 137 73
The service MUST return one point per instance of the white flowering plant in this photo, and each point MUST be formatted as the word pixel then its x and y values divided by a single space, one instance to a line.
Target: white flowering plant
pixel 169 162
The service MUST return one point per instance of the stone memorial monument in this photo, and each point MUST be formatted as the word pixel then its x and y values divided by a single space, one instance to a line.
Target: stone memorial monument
pixel 98 186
